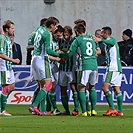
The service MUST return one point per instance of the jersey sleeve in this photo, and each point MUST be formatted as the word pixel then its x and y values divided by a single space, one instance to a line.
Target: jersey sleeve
pixel 108 41
pixel 31 39
pixel 73 48
pixel 49 51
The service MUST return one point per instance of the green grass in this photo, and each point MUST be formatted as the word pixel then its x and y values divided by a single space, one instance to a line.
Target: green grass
pixel 23 122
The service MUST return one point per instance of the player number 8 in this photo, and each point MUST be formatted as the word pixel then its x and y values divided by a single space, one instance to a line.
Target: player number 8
pixel 89 50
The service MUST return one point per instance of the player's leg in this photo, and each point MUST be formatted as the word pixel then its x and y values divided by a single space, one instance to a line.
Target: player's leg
pixel 73 86
pixel 117 82
pixel 35 93
pixel 12 82
pixel 119 100
pixel 87 104
pixel 63 82
pixel 47 86
pixel 41 73
pixel 108 94
pixel 82 100
pixel 48 99
pixel 52 94
pixel 33 99
pixel 32 71
pixel 64 100
pixel 7 81
pixel 41 97
pixel 93 99
pixel 48 103
pixel 92 91
pixel 82 81
pixel 75 99
pixel 4 96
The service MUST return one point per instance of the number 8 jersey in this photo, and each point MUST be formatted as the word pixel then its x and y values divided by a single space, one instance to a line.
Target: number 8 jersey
pixel 88 51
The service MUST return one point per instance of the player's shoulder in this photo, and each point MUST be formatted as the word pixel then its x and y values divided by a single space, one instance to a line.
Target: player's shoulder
pixel 32 34
pixel 112 38
pixel 90 35
pixel 3 36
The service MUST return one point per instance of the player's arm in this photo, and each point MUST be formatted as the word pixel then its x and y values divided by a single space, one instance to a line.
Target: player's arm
pixel 72 50
pixel 5 57
pixel 98 50
pixel 52 58
pixel 108 41
pixel 30 46
pixel 48 48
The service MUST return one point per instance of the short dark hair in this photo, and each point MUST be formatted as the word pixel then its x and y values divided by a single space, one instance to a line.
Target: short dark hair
pixel 80 28
pixel 81 21
pixel 107 29
pixel 59 29
pixel 51 20
pixel 42 22
pixel 68 29
pixel 7 24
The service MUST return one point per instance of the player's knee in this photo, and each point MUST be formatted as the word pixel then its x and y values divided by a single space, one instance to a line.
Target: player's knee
pixel 48 87
pixel 5 89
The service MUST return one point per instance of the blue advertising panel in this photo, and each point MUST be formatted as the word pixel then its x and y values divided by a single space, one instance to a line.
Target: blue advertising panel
pixel 25 84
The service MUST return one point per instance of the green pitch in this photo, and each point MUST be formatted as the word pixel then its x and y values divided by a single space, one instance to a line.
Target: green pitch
pixel 23 122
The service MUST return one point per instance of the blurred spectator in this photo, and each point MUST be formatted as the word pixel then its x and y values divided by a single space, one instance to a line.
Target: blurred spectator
pixel 16 49
pixel 101 59
pixel 126 48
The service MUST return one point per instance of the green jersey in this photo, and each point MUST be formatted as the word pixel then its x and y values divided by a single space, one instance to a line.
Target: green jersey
pixel 87 47
pixel 54 46
pixel 31 38
pixel 5 48
pixel 78 52
pixel 112 55
pixel 42 41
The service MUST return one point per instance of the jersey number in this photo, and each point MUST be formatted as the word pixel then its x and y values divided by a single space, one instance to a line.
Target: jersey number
pixel 89 50
pixel 37 40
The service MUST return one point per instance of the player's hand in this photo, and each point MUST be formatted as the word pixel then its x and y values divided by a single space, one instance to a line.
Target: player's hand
pixel 59 51
pixel 61 61
pixel 58 59
pixel 16 61
pixel 64 59
pixel 30 48
pixel 64 50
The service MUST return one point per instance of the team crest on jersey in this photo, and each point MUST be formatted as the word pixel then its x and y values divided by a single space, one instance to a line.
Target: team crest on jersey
pixel 10 49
